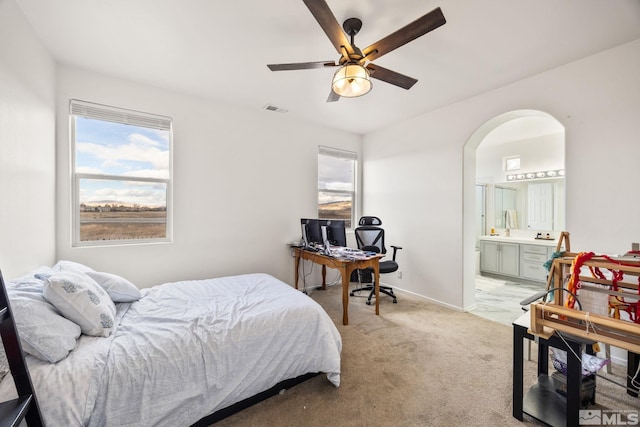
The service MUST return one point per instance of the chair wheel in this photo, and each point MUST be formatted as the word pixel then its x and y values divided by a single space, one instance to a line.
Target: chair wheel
pixel 368 302
pixel 351 293
pixel 395 301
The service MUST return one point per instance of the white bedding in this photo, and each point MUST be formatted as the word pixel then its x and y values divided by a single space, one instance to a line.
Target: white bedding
pixel 186 350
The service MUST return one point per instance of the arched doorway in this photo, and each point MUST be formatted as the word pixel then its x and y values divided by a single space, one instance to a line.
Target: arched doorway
pixel 470 220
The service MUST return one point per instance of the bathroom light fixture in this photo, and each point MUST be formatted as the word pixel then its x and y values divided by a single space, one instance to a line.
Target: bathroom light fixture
pixel 351 80
pixel 536 175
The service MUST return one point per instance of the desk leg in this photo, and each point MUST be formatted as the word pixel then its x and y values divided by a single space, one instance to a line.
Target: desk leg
pixel 345 295
pixel 376 286
pixel 518 369
pixel 633 361
pixel 324 277
pixel 297 267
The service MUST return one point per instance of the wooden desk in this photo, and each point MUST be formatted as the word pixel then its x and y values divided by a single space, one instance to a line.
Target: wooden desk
pixel 346 267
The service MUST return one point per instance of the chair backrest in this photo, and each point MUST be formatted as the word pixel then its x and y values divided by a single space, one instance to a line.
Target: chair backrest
pixel 370 237
pixel 370 220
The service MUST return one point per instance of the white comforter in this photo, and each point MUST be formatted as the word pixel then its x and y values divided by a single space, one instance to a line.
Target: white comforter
pixel 186 350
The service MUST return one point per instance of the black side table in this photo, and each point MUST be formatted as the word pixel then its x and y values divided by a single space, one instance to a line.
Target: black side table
pixel 541 401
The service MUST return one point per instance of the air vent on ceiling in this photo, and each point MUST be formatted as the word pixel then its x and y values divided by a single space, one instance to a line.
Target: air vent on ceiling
pixel 274 108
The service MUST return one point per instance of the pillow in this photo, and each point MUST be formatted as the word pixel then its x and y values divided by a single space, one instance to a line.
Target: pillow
pixel 118 288
pixel 30 281
pixel 81 300
pixel 71 265
pixel 44 333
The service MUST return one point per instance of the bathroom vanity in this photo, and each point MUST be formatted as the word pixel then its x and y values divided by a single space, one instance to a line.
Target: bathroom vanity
pixel 516 257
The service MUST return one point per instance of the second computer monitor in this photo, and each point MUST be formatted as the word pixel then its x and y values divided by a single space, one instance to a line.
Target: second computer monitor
pixel 335 231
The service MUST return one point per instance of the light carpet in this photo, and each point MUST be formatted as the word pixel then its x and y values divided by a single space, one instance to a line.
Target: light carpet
pixel 417 364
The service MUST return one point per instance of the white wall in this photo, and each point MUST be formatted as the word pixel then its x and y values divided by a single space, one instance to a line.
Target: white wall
pixel 541 153
pixel 242 181
pixel 416 184
pixel 27 148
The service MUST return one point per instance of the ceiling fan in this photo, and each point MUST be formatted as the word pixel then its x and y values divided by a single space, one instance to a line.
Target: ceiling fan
pixel 352 78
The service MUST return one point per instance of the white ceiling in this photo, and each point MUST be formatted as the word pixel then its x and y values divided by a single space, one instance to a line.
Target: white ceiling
pixel 219 49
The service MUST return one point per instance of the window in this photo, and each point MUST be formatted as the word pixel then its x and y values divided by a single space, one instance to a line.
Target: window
pixel 336 184
pixel 512 163
pixel 121 168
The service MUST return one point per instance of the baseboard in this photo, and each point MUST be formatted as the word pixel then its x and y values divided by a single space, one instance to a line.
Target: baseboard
pixel 435 301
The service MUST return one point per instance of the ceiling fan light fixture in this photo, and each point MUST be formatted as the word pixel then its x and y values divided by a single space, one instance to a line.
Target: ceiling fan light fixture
pixel 351 80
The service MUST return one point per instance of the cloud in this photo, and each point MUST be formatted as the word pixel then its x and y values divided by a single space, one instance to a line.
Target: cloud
pixel 335 173
pixel 130 192
pixel 140 154
pixel 142 140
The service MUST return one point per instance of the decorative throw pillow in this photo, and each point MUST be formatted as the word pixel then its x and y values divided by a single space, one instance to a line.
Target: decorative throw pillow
pixel 118 288
pixel 81 300
pixel 43 332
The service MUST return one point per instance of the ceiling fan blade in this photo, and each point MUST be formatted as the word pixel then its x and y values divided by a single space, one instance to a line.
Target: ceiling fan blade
pixel 301 65
pixel 404 35
pixel 333 97
pixel 391 77
pixel 327 20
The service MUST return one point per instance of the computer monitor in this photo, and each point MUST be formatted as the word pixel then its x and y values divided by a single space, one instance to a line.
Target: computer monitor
pixel 324 229
pixel 311 231
pixel 336 232
pixel 303 229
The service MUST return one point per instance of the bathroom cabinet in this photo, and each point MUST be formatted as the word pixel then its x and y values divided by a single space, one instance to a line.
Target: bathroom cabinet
pixel 532 259
pixel 500 258
pixel 515 257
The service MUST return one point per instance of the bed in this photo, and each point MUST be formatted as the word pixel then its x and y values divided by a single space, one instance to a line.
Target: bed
pixel 177 353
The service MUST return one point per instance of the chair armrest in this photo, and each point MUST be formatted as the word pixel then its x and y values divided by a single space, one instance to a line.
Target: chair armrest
pixel 395 249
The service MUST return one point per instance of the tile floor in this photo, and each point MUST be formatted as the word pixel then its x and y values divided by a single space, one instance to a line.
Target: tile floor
pixel 499 300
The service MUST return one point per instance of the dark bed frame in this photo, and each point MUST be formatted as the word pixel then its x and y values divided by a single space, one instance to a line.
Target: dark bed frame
pixel 250 401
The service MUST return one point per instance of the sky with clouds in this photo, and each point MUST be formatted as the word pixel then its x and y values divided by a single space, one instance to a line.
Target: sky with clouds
pixel 120 150
pixel 335 174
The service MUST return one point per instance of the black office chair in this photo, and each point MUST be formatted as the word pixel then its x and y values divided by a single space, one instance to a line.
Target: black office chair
pixel 370 237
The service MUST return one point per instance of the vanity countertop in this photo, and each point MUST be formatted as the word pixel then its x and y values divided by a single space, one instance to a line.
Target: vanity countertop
pixel 521 239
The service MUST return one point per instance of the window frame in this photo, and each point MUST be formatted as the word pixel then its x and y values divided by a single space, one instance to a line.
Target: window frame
pixel 347 155
pixel 91 110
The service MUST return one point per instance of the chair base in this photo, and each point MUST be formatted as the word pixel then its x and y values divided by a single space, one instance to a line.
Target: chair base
pixel 383 290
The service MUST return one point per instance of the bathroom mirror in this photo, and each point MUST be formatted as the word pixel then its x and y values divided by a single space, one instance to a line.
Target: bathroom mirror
pixel 529 205
pixel 505 207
